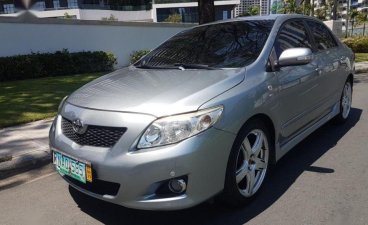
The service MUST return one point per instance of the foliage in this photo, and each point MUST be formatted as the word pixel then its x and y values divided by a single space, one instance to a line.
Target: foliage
pixel 290 6
pixel 321 13
pixel 30 100
pixel 252 11
pixel 54 64
pixel 173 18
pixel 111 18
pixel 67 16
pixel 357 44
pixel 361 57
pixel 361 18
pixel 278 7
pixel 137 55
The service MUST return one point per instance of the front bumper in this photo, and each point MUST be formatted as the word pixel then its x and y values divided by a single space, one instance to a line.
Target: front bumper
pixel 202 159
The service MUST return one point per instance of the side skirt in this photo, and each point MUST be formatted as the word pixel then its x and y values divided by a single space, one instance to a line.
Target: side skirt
pixel 283 149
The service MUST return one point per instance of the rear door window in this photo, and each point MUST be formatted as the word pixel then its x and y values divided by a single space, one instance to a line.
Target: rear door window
pixel 322 36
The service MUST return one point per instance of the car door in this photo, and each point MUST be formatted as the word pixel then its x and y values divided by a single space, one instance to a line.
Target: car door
pixel 297 84
pixel 332 63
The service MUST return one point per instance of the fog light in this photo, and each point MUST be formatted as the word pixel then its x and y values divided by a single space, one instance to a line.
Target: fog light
pixel 177 186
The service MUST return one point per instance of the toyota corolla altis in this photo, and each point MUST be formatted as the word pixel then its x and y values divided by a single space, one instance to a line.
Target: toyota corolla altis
pixel 205 114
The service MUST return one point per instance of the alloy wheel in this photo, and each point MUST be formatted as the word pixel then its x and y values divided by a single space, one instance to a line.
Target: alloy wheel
pixel 251 163
pixel 346 100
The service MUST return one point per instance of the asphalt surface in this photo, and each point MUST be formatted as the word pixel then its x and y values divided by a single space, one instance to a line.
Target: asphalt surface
pixel 323 180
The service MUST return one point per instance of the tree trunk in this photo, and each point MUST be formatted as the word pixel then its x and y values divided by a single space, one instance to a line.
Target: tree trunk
pixel 334 11
pixel 206 11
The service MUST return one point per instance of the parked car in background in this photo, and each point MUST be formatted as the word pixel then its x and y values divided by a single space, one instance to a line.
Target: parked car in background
pixel 205 114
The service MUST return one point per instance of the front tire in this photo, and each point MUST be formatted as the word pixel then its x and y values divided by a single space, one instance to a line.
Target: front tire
pixel 248 164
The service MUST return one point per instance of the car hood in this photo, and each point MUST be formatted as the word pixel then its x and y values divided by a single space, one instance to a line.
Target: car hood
pixel 155 92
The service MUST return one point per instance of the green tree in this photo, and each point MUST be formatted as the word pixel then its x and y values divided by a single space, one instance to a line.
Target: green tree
pixel 278 6
pixel 254 10
pixel 290 6
pixel 361 18
pixel 353 19
pixel 320 13
pixel 251 11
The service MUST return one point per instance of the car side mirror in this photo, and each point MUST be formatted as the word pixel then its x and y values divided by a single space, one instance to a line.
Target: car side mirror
pixel 295 56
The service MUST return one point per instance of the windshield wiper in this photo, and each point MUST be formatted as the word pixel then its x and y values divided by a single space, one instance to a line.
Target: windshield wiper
pixel 180 66
pixel 194 66
pixel 145 66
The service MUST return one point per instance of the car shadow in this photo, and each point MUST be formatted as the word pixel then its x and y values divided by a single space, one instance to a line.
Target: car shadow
pixel 287 170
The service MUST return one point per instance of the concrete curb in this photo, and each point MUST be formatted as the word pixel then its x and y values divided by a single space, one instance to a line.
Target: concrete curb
pixel 361 70
pixel 24 147
pixel 361 67
pixel 24 163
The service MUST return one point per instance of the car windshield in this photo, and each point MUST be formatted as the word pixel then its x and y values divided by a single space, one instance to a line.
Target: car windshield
pixel 224 45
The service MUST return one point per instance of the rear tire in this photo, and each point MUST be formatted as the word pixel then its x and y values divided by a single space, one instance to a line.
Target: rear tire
pixel 248 164
pixel 345 103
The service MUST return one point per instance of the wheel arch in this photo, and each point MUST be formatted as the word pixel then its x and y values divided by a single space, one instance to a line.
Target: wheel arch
pixel 271 129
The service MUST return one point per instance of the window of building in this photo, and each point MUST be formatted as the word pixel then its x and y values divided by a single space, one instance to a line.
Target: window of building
pixel 39 6
pixel 9 8
pixel 322 36
pixel 56 4
pixel 72 4
pixel 293 35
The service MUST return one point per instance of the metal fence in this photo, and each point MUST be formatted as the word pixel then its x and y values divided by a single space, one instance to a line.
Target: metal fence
pixel 356 31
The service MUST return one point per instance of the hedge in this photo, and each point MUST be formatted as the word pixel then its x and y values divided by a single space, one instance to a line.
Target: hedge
pixel 54 64
pixel 137 55
pixel 357 44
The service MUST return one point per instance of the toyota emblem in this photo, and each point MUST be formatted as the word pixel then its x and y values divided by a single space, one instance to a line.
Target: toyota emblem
pixel 79 127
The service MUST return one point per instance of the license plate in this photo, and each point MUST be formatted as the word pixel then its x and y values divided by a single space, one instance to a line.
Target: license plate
pixel 68 166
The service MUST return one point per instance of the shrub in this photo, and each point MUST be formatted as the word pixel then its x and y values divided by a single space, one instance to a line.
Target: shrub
pixel 174 18
pixel 137 55
pixel 111 18
pixel 54 64
pixel 357 44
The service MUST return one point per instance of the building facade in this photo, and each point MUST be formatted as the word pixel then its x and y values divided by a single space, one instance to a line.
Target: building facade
pixel 245 5
pixel 122 10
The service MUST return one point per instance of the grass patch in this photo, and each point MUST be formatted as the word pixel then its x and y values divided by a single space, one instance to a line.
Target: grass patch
pixel 361 57
pixel 30 100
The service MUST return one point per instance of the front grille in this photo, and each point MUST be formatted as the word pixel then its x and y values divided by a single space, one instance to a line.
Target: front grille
pixel 98 136
pixel 99 187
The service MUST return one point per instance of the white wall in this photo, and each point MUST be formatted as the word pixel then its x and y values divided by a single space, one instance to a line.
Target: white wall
pixel 49 35
pixel 97 14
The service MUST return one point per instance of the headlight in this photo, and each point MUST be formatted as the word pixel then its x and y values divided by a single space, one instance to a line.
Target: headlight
pixel 173 129
pixel 62 103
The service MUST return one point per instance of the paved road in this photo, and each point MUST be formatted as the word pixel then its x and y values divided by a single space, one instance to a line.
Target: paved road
pixel 324 180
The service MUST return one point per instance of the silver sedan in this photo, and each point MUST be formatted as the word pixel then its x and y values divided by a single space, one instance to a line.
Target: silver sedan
pixel 206 114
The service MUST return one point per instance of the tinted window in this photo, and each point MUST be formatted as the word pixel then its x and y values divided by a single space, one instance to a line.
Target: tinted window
pixel 322 35
pixel 234 44
pixel 292 35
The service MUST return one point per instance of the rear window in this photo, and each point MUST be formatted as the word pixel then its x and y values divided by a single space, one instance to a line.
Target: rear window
pixel 232 44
